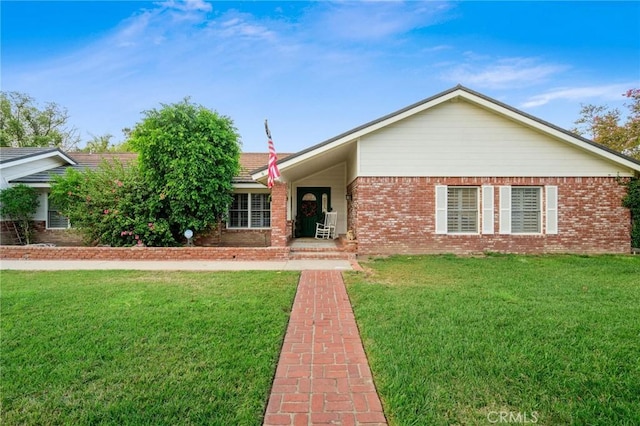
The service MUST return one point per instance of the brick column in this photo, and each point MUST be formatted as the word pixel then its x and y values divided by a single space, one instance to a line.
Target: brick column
pixel 279 227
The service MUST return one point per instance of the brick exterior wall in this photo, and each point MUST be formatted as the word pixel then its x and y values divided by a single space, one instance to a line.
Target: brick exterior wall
pixel 280 227
pixel 218 237
pixel 224 237
pixel 143 253
pixel 397 215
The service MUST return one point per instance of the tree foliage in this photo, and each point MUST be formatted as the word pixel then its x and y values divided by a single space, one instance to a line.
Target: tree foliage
pixel 99 144
pixel 112 205
pixel 19 203
pixel 605 126
pixel 24 124
pixel 188 156
pixel 102 144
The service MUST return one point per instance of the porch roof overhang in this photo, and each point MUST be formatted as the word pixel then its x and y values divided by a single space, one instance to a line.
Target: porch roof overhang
pixel 335 150
pixel 310 161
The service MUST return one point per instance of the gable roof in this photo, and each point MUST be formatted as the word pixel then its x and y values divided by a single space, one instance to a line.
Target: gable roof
pixel 11 156
pixel 338 142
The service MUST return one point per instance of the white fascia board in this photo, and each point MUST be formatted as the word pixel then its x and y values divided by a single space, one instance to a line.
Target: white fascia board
pixel 249 186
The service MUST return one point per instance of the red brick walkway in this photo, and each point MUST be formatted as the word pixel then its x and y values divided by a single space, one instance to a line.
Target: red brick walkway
pixel 323 376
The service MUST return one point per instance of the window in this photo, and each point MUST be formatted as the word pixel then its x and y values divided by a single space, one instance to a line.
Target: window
pixel 250 211
pixel 462 210
pixel 54 218
pixel 526 210
pixel 521 209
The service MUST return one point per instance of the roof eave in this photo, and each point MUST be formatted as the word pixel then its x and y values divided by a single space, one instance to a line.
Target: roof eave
pixel 37 156
pixel 454 92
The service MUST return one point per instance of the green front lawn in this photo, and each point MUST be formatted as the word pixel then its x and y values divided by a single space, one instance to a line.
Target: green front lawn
pixel 550 340
pixel 118 347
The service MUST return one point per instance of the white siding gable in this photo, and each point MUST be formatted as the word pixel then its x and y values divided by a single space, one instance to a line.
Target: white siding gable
pixel 458 138
pixel 21 169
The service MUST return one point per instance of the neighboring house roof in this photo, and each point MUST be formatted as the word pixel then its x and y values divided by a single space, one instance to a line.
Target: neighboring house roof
pixel 93 160
pixel 250 161
pixel 327 151
pixel 12 155
pixel 81 160
pixel 17 164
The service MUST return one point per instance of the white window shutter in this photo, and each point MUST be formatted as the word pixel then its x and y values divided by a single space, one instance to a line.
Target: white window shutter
pixel 552 209
pixel 441 209
pixel 487 209
pixel 505 209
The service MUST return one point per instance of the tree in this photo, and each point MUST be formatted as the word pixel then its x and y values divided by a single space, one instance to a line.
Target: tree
pixel 99 144
pixel 603 125
pixel 24 124
pixel 188 155
pixel 19 203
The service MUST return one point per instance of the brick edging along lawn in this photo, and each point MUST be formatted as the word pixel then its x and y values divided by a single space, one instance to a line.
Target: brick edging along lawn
pixel 143 253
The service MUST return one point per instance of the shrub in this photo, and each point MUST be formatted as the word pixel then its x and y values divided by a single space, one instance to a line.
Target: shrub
pixel 632 202
pixel 112 206
pixel 19 203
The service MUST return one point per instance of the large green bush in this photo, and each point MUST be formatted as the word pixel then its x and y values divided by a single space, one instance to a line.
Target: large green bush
pixel 188 156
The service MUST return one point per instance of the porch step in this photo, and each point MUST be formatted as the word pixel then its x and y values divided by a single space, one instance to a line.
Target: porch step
pixel 299 254
pixel 312 248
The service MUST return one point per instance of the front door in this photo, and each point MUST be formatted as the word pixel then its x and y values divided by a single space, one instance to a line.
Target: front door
pixel 312 204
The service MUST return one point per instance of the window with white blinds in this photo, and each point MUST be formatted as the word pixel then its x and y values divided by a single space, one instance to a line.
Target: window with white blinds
pixel 526 210
pixel 250 211
pixel 462 210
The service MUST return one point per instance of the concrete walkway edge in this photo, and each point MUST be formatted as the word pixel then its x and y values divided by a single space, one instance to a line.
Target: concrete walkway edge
pixel 179 265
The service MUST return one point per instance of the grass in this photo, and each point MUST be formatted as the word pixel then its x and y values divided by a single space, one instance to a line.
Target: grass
pixel 140 348
pixel 551 340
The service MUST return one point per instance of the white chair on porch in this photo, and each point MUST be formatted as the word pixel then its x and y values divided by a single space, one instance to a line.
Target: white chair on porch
pixel 327 229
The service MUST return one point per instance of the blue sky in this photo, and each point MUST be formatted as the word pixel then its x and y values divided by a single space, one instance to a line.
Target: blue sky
pixel 314 69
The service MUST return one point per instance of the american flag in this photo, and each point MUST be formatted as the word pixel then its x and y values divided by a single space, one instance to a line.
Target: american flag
pixel 273 171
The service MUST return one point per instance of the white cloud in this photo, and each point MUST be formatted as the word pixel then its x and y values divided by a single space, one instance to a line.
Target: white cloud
pixel 372 20
pixel 610 92
pixel 234 24
pixel 504 73
pixel 187 5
